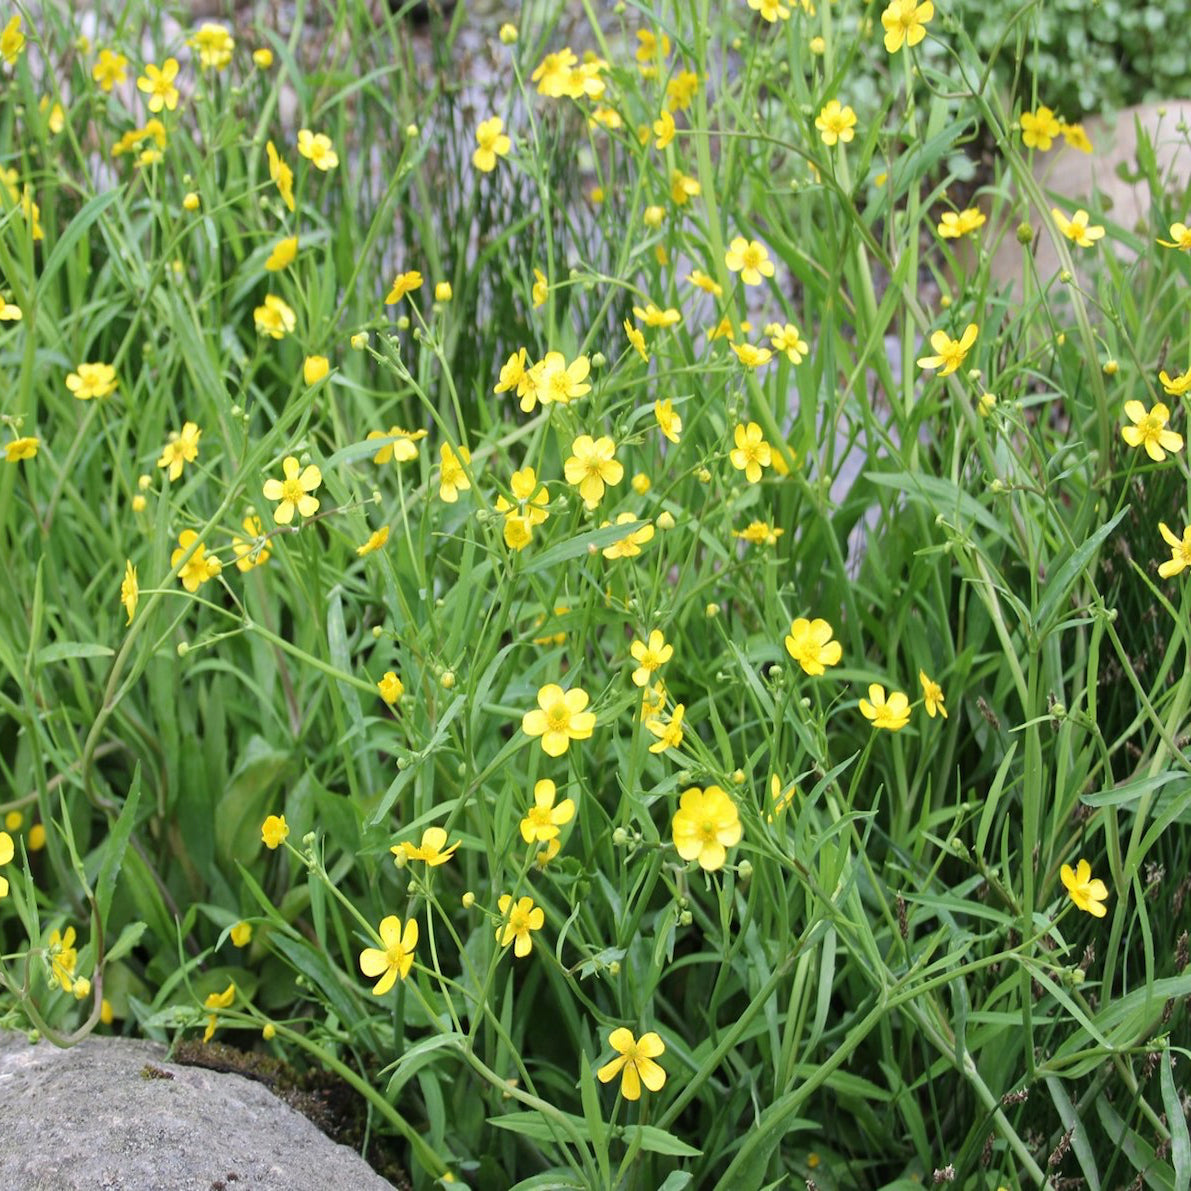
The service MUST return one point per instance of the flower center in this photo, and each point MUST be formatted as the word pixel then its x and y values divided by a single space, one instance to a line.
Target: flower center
pixel 539 816
pixel 558 717
pixel 707 831
pixel 292 490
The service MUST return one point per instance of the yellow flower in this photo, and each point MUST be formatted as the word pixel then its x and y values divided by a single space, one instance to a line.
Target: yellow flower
pixel 110 69
pixel 314 368
pixel 1076 136
pixel 681 90
pixel 751 453
pixel 634 1061
pixel 810 645
pixel 750 259
pixel 215 45
pixel 750 355
pixel 452 479
pixel 835 123
pixel 669 734
pixel 432 851
pixel 521 517
pixel 780 798
pixel 508 34
pixel 403 283
pixel 770 10
pixel 1180 551
pixel 788 339
pixel 518 921
pixel 21 448
pixel 932 696
pixel 492 142
pixel 293 492
pixel 892 713
pixel 252 551
pixel 1180 238
pixel 282 254
pixel 200 567
pixel 400 451
pixel 63 957
pixel 544 819
pixel 221 1000
pixel 180 450
pixel 592 465
pixel 669 423
pixel 12 41
pixel 443 291
pixel 759 533
pixel 1039 129
pixel 241 934
pixel 56 119
pixel 1177 386
pixel 159 85
pixel 559 718
pixel 541 289
pixel 705 826
pixel 92 380
pixel 651 48
pixel 707 284
pixel 391 688
pixel 397 957
pixel 953 225
pixel 263 58
pixel 316 147
pixel 274 832
pixel 652 316
pixel 1086 892
pixel 376 541
pixel 557 381
pixel 949 353
pixel 630 545
pixel 604 117
pixel 663 130
pixel 553 73
pixel 1076 228
pixel 649 655
pixel 130 590
pixel 1149 430
pixel 514 374
pixel 636 340
pixel 281 175
pixel 905 23
pixel 7 851
pixel 191 201
pixel 9 313
pixel 274 318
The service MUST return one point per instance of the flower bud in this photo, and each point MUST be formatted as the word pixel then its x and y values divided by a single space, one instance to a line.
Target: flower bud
pixel 599 360
pixel 269 1032
pixel 468 900
pixel 665 520
pixel 508 34
pixel 1025 233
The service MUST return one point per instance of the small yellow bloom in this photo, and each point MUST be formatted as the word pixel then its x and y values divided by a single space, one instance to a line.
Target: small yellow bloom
pixel 836 124
pixel 1039 129
pixel 443 291
pixel 391 688
pixel 215 46
pixel 544 820
pixel 7 852
pixel 541 289
pixel 403 283
pixel 1149 430
pixel 241 934
pixel 190 201
pixel 1180 551
pixel 635 1057
pixel 705 826
pixel 892 713
pixel 955 224
pixel 770 10
pixel 759 533
pixel 949 353
pixel 199 567
pixel 905 23
pixel 159 85
pixel 591 466
pixel 432 851
pixel 630 545
pixel 129 590
pixel 314 368
pixel 397 957
pixel 452 478
pixel 182 449
pixel 282 254
pixel 316 147
pixel 669 732
pixel 519 919
pixel 636 340
pixel 932 696
pixel 293 492
pixel 707 284
pixel 274 832
pixel 274 318
pixel 750 259
pixel 1088 893
pixel 1180 237
pixel 109 69
pixel 252 551
pixel 402 450
pixel 508 34
pixel 92 380
pixel 491 143
pixel 262 58
pixel 1175 386
pixel 21 448
pixel 1076 228
pixel 752 356
pixel 751 453
pixel 559 718
pixel 810 645
pixel 669 423
pixel 788 339
pixel 281 175
pixel 1076 136
pixel 376 541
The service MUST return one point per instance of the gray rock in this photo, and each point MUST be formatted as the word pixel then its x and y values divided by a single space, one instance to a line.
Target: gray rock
pixel 97 1118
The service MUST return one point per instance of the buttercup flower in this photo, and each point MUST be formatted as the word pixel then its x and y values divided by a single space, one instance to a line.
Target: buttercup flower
pixel 559 718
pixel 759 533
pixel 751 453
pixel 215 45
pixel 452 479
pixel 274 832
pixel 263 58
pixel 21 448
pixel 9 312
pixel 653 316
pixel 200 567
pixel 92 380
pixel 403 283
pixel 781 798
pixel 683 188
pixel 1175 386
pixel 669 733
pixel 634 1061
pixel 274 318
pixel 649 655
pixel 591 466
pixel 835 123
pixel 1088 893
pixel 180 450
pixel 541 289
pixel 252 551
pixel 932 696
pixel 527 512
pixel 402 450
pixel 811 646
pixel 519 920
pixel 391 688
pixel 12 41
pixel 7 851
pixel 1039 129
pixel 750 259
pixel 316 147
pixel 705 826
pixel 282 254
pixel 376 541
pixel 905 23
pixel 1076 136
pixel 221 1000
pixel 432 851
pixel 158 85
pixel 110 68
pixel 708 285
pixel 1180 238
pixel 492 143
pixel 314 368
pixel 630 545
pixel 892 714
pixel 949 353
pixel 293 492
pixel 770 10
pixel 752 356
pixel 281 175
pixel 636 340
pixel 1180 551
pixel 1149 430
pixel 953 224
pixel 397 957
pixel 544 819
pixel 669 423
pixel 1076 228
pixel 553 73
pixel 241 934
pixel 130 590
pixel 557 381
pixel 788 339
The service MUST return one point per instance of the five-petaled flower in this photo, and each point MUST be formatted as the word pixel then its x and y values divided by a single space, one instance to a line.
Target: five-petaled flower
pixel 668 732
pixel 954 224
pixel 932 696
pixel 669 423
pixel 892 713
pixel 1039 129
pixel 1180 237
pixel 217 1000
pixel 21 448
pixel 835 123
pixel 751 453
pixel 1180 551
pixel 391 688
pixel 92 380
pixel 750 259
pixel 452 478
pixel 158 85
pixel 1149 430
pixel 1087 892
pixel 130 590
pixel 559 718
pixel 63 957
pixel 705 826
pixel 293 492
pixel 591 466
pixel 634 1062
pixel 649 655
pixel 7 851
pixel 544 819
pixel 274 318
pixel 905 23
pixel 110 68
pixel 949 353
pixel 432 851
pixel 181 449
pixel 199 567
pixel 810 645
pixel 403 283
pixel 215 46
pixel 316 147
pixel 491 143
pixel 518 919
pixel 1077 229
pixel 274 832
pixel 397 956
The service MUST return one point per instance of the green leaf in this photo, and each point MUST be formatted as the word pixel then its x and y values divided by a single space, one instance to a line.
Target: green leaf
pixel 113 852
pixel 1176 1122
pixel 1058 583
pixel 658 1141
pixel 61 650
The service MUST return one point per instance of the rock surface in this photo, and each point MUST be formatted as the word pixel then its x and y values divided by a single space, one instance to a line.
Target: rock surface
pixel 113 1115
